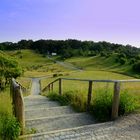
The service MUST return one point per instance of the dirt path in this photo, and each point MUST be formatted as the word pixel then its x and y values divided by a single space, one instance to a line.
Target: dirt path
pixel 65 64
pixel 35 89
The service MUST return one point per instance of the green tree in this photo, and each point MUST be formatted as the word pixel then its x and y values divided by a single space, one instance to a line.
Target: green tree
pixel 9 68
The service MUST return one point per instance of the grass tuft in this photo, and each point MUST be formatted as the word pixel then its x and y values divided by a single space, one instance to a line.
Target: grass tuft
pixel 101 104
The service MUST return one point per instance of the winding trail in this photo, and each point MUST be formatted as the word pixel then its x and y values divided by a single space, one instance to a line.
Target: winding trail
pixel 65 64
pixel 36 87
pixel 35 90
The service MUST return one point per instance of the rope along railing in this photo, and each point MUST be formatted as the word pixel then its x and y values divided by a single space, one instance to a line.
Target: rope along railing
pixel 18 103
pixel 116 96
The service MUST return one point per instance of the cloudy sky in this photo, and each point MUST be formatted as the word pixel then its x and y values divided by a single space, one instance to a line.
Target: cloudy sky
pixel 115 21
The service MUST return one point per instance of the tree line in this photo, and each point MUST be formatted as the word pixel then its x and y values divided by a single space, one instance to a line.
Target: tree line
pixel 72 47
pixel 9 68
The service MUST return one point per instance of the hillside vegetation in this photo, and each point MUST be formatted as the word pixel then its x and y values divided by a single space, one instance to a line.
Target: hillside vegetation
pixel 35 64
pixel 102 55
pixel 103 63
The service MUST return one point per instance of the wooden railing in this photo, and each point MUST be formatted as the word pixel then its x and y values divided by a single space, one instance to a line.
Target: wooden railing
pixel 116 96
pixel 18 103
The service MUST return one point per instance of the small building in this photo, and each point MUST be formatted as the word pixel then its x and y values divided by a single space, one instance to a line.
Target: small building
pixel 54 54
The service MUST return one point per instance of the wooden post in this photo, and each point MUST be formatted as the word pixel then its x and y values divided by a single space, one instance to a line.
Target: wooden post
pixel 52 87
pixel 18 104
pixel 19 108
pixel 12 96
pixel 116 98
pixel 89 95
pixel 49 87
pixel 60 86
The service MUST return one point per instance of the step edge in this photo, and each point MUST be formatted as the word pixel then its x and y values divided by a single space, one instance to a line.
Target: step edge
pixel 68 129
pixel 67 115
pixel 48 108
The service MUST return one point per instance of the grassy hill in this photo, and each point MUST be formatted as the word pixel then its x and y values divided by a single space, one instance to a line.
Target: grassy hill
pixel 35 64
pixel 103 64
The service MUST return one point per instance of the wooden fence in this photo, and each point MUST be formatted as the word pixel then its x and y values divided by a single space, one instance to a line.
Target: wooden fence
pixel 116 96
pixel 18 103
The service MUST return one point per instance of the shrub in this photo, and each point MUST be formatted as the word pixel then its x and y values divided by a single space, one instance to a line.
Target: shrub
pixel 9 127
pixel 79 103
pixel 18 52
pixel 128 103
pixel 20 56
pixel 55 75
pixel 70 98
pixel 122 61
pixel 122 55
pixel 103 54
pixel 136 67
pixel 101 106
pixel 132 61
pixel 28 131
pixel 65 99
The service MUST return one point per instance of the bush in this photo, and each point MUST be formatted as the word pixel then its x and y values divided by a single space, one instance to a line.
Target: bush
pixel 136 67
pixel 122 61
pixel 132 61
pixel 70 98
pixel 65 99
pixel 128 103
pixel 122 55
pixel 9 127
pixel 103 54
pixel 79 103
pixel 101 106
pixel 55 75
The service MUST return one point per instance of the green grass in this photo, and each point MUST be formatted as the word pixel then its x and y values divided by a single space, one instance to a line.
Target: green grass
pixel 36 65
pixel 5 102
pixel 101 103
pixel 103 63
pixel 29 58
pixel 86 75
pixel 25 82
pixel 80 89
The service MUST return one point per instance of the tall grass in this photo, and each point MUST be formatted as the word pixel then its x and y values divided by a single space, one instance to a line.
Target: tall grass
pixel 9 127
pixel 5 101
pixel 101 103
pixel 98 75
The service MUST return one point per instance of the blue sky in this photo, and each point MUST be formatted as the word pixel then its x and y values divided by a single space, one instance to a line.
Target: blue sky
pixel 115 21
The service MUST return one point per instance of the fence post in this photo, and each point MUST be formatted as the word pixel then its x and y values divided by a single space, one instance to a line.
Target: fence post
pixel 12 96
pixel 116 98
pixel 52 87
pixel 89 95
pixel 18 105
pixel 49 87
pixel 60 86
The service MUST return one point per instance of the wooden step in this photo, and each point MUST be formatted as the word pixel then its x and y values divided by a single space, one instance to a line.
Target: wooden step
pixel 48 112
pixel 60 122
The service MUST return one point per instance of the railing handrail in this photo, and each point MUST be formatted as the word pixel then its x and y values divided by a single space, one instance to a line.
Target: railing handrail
pixel 93 80
pixel 50 84
pixel 110 81
pixel 115 104
pixel 18 103
pixel 15 83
